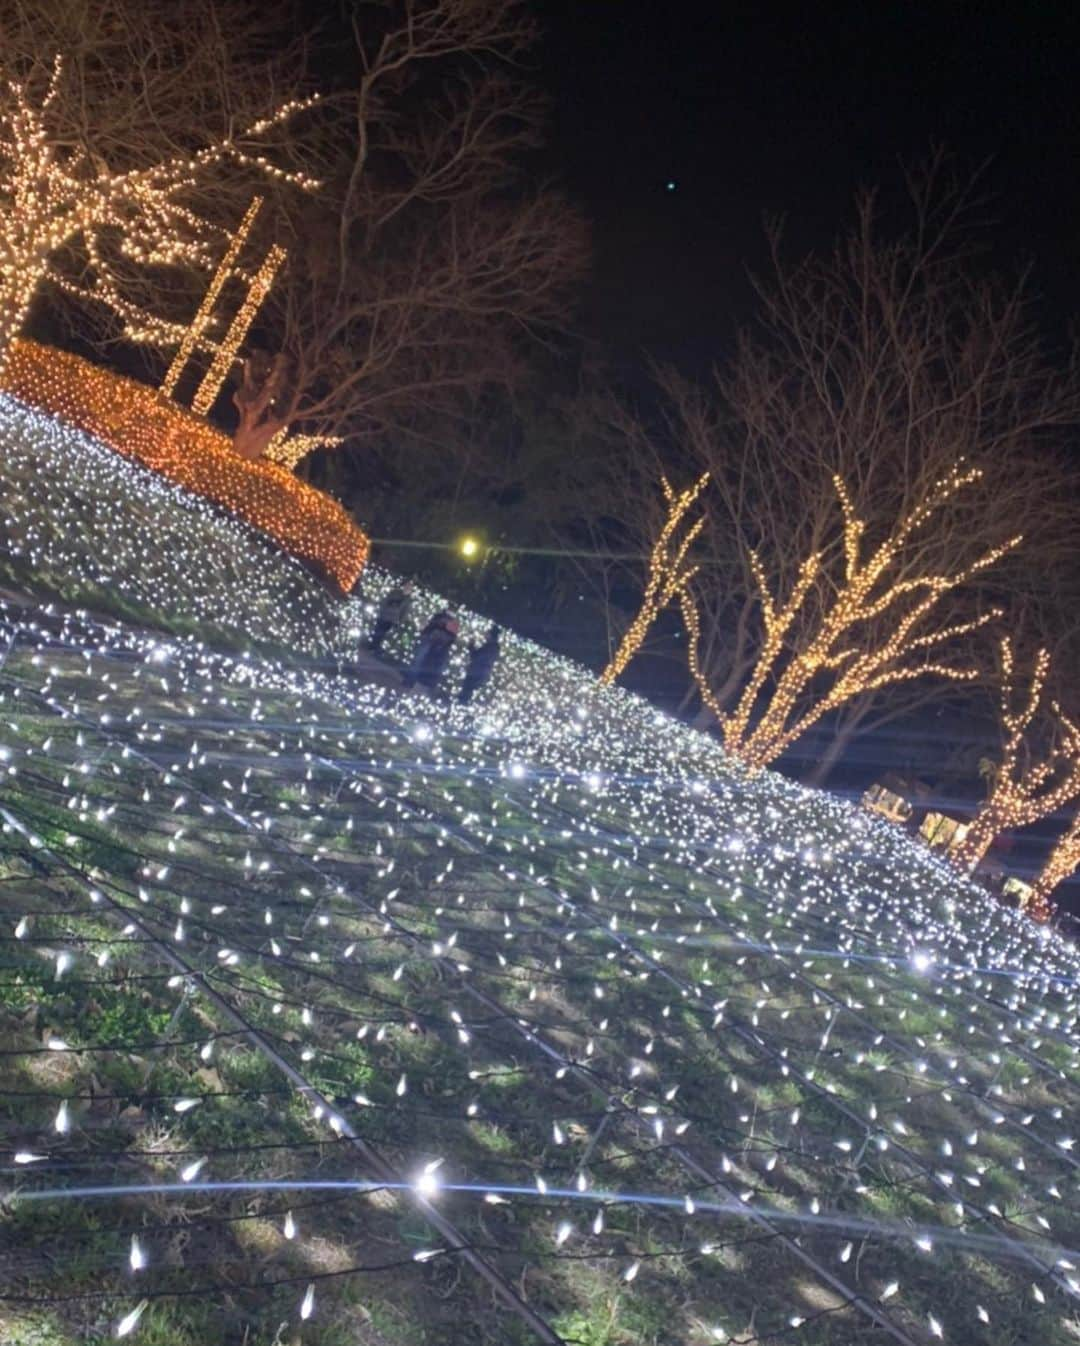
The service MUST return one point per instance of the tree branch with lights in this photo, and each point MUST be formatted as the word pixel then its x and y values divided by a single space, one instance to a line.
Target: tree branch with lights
pixel 1060 864
pixel 790 690
pixel 1026 786
pixel 669 572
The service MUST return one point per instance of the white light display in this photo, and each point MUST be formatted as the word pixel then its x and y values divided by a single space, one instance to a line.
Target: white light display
pixel 352 996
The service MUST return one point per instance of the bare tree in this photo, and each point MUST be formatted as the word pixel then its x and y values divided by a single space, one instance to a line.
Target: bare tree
pixel 876 449
pixel 116 116
pixel 426 264
pixel 793 685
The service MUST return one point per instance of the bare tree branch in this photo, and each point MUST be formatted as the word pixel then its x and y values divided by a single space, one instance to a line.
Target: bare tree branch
pixel 668 574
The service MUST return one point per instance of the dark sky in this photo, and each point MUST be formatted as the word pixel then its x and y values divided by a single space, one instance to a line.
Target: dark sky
pixel 754 108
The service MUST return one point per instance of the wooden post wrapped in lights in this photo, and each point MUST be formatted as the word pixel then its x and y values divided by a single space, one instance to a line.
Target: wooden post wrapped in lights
pixel 794 684
pixel 226 353
pixel 283 448
pixel 668 573
pixel 1024 790
pixel 138 423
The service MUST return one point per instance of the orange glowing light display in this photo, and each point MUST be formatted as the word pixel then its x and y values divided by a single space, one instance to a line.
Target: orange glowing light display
pixel 138 423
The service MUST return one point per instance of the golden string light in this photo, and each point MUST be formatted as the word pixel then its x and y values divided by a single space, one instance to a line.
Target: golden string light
pixel 1023 790
pixel 668 573
pixel 777 704
pixel 692 621
pixel 138 423
pixel 194 332
pixel 54 195
pixel 288 450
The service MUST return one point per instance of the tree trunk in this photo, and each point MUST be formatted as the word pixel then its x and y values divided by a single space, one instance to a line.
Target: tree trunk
pixel 252 437
pixel 260 387
pixel 985 826
pixel 704 719
pixel 21 278
pixel 1039 907
pixel 1060 864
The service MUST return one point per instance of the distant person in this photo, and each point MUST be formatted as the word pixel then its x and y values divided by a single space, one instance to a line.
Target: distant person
pixel 392 612
pixel 482 659
pixel 432 652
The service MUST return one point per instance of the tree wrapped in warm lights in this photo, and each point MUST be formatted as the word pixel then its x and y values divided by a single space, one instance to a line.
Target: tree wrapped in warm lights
pixel 791 689
pixel 876 444
pixel 669 573
pixel 119 121
pixel 1027 786
pixel 1062 861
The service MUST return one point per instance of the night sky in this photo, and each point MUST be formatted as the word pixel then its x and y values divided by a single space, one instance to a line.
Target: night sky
pixel 760 108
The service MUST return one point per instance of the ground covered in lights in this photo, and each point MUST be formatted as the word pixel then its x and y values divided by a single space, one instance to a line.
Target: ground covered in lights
pixel 329 1014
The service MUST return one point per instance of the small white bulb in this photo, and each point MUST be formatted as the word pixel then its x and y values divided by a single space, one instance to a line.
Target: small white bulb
pixel 126 1325
pixel 192 1171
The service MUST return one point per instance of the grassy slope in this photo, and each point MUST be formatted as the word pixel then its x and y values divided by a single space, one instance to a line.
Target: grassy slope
pixel 406 901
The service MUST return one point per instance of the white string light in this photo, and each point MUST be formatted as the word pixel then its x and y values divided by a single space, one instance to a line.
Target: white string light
pixel 637 1002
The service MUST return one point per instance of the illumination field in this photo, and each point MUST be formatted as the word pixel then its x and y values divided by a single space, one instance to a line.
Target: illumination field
pixel 333 1015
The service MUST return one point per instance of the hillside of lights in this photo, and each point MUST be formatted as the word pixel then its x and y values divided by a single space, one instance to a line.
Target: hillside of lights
pixel 332 1014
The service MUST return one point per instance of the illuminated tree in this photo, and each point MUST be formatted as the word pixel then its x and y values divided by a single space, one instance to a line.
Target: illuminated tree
pixel 116 120
pixel 1062 861
pixel 875 445
pixel 1027 785
pixel 420 275
pixel 669 573
pixel 787 693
